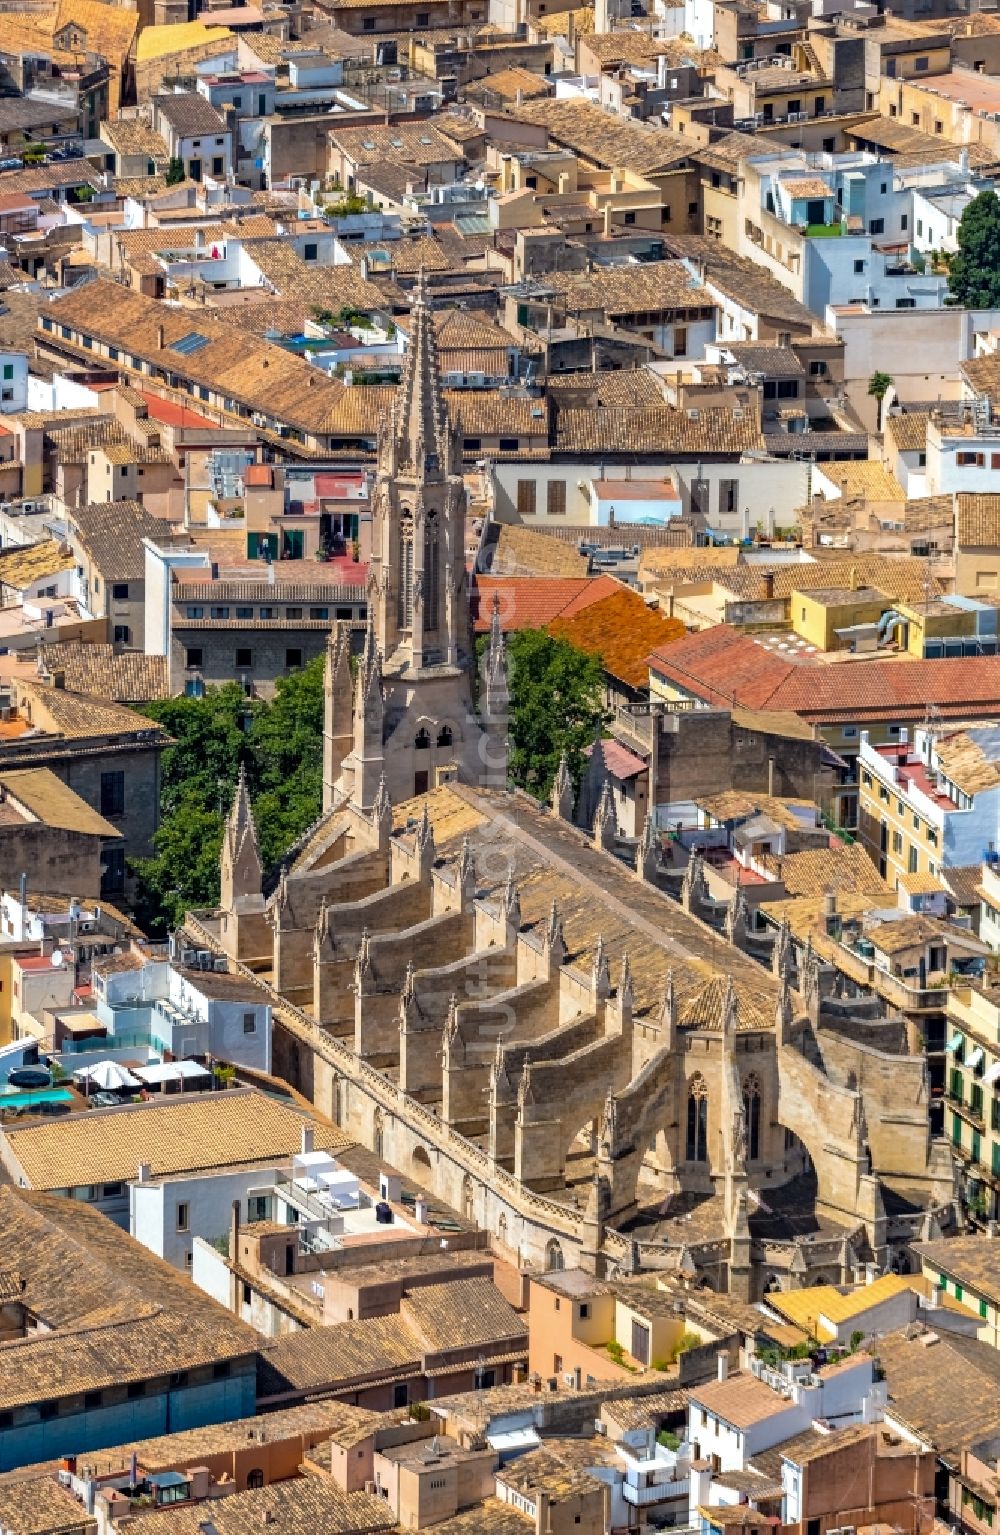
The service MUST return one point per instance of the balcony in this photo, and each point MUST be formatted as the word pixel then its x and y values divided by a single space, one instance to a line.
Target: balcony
pixel 648 1493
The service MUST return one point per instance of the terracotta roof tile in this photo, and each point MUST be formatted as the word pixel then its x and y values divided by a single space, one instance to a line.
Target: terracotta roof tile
pixel 531 603
pixel 622 629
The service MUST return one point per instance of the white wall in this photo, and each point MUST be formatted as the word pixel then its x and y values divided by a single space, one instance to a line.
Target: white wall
pixel 209 1272
pixel 209 1198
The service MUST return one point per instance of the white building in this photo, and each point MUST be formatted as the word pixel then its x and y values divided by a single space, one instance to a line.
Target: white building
pixel 180 1011
pixel 13 381
pixel 734 1418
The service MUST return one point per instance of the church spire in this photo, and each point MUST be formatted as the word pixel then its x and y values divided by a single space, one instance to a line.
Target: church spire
pixel 420 419
pixel 241 869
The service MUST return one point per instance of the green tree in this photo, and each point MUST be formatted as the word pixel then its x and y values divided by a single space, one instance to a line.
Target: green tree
pixel 879 385
pixel 278 742
pixel 175 171
pixel 556 696
pixel 974 274
pixel 286 768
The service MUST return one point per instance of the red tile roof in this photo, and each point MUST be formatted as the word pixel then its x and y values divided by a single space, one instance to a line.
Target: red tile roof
pixel 621 763
pixel 172 414
pixel 259 475
pixel 725 667
pixel 531 602
pixel 620 629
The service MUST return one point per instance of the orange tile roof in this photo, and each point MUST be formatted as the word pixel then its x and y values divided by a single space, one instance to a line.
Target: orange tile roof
pixel 531 602
pixel 622 630
pixel 724 666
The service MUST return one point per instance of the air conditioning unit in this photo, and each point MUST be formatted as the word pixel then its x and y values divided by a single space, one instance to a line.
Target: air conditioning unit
pixel 204 960
pixel 221 963
pixel 600 1427
pixel 188 957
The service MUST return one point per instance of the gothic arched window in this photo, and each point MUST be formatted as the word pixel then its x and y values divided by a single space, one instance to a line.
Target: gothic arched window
pixel 405 608
pixel 422 739
pixel 431 572
pixel 444 736
pixel 751 1110
pixel 697 1120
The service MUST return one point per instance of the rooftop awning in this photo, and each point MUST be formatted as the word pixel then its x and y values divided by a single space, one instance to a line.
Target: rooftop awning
pixel 976 1058
pixel 953 1044
pixel 992 1072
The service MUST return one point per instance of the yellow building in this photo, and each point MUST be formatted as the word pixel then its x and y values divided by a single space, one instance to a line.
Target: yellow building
pixel 825 615
pixel 964 1269
pixel 972 1090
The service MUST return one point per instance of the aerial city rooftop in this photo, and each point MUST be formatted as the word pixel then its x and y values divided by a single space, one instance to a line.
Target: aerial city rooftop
pixel 500 767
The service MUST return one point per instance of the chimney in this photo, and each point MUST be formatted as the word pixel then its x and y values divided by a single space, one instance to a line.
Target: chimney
pixel 22 888
pixel 854 578
pixel 234 1231
pixel 160 338
pixel 722 1365
pixel 607 219
pixel 144 1172
pixel 420 1209
pixel 770 777
pixel 308 1139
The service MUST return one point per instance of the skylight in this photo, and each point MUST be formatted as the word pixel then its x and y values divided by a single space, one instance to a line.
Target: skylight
pixel 192 342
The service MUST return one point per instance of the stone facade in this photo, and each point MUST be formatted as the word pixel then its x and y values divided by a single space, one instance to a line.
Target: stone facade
pixel 503 1007
pixel 411 721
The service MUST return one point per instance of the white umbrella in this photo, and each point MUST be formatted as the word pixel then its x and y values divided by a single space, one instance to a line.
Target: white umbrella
pixel 108 1076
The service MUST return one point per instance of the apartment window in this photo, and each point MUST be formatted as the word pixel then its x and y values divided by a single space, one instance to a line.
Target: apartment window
pixel 113 793
pixel 976 1100
pixel 267 613
pixel 114 1190
pixel 218 165
pixel 897 842
pixel 473 444
pixel 665 216
pixel 906 303
pixel 293 613
pixel 119 591
pixel 859 265
pixel 249 1023
pixel 219 612
pixel 876 226
pixel 196 612
pixel 122 634
pixel 817 368
pixel 904 221
pixel 319 613
pixel 921 64
pixel 113 871
pixel 310 250
pixel 584 1310
pixel 244 612
pixel 912 861
pixel 193 656
pixel 401 1394
pixel 555 498
pixel 509 444
pixel 368 24
pixel 183 1216
pixel 135 1389
pixel 526 498
pixel 938 125
pixel 92 1400
pixel 293 660
pixel 244 659
pixel 48 1410
pixel 970 460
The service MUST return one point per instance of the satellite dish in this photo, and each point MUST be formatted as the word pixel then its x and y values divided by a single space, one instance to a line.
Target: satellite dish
pixel 57 957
